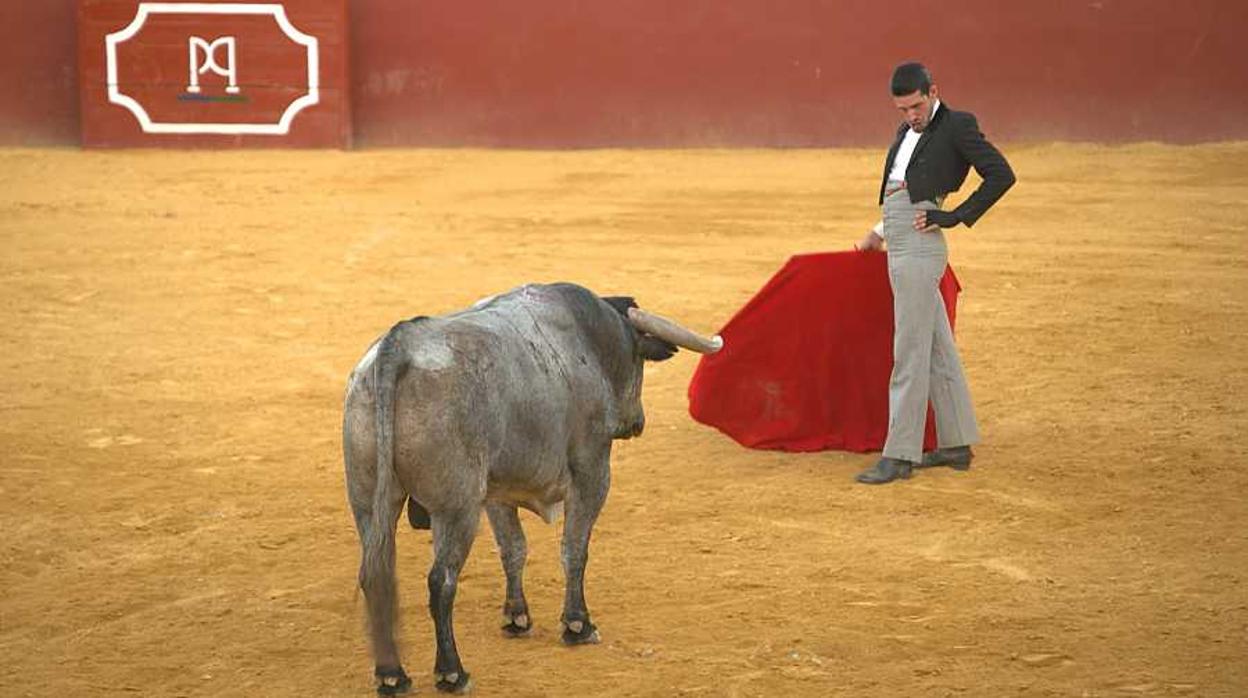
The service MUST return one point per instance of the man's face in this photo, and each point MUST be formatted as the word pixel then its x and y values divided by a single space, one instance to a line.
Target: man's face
pixel 916 108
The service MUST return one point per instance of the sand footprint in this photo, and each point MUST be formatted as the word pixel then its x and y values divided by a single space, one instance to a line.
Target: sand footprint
pixel 98 439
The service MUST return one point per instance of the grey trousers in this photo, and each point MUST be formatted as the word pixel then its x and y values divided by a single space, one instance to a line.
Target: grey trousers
pixel 925 360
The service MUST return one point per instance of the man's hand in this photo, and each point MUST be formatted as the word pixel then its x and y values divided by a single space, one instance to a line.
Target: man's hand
pixel 870 242
pixel 932 221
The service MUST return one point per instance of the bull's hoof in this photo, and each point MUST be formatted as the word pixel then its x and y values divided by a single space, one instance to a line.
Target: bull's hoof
pixel 518 625
pixel 580 632
pixel 456 682
pixel 392 682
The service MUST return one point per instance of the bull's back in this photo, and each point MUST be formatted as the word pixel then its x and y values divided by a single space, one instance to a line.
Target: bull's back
pixel 481 408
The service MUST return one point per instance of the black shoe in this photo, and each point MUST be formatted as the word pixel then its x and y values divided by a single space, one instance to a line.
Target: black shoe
pixel 956 457
pixel 887 470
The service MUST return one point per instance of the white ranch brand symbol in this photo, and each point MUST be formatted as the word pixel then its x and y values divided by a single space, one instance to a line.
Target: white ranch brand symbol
pixel 203 59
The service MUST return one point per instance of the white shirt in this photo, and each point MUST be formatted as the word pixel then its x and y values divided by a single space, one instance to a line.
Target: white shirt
pixel 906 150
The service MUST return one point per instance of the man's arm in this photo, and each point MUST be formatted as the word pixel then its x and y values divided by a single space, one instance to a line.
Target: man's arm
pixel 989 163
pixel 874 239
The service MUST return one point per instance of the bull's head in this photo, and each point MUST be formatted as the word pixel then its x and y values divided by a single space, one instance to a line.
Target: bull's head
pixel 653 339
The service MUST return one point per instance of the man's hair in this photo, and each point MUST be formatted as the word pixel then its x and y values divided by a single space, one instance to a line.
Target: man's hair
pixel 909 78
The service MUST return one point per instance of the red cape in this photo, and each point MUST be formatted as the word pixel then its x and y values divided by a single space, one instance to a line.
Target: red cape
pixel 806 363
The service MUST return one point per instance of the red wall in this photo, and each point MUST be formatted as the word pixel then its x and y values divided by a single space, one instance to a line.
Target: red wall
pixel 576 73
pixel 38 72
pixel 792 73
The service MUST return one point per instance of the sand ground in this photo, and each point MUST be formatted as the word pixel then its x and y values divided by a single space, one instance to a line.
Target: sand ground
pixel 178 328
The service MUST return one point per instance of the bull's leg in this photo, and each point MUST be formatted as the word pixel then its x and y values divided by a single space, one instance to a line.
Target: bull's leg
pixel 452 539
pixel 513 549
pixel 586 494
pixel 378 582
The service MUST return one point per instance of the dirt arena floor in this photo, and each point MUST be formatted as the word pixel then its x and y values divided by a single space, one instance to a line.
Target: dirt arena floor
pixel 178 329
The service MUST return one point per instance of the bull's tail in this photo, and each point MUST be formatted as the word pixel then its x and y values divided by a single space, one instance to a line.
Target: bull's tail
pixel 377 573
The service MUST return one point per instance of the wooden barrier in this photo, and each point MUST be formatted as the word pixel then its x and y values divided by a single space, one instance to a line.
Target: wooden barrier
pixel 39 73
pixel 214 74
pixel 570 73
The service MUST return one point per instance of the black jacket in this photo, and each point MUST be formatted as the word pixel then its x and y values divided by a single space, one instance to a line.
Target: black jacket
pixel 949 146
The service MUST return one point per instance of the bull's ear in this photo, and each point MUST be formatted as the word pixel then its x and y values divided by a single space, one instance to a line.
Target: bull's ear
pixel 652 348
pixel 620 303
pixel 655 349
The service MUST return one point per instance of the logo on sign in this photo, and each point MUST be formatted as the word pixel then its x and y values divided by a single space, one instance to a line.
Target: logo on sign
pixel 204 59
pixel 269 111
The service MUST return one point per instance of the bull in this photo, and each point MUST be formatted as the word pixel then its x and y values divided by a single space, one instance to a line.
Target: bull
pixel 512 403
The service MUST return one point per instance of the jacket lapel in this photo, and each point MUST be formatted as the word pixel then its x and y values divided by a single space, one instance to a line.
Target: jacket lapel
pixel 892 152
pixel 926 136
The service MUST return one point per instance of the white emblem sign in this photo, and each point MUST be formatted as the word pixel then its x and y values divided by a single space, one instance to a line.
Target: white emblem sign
pixel 218 57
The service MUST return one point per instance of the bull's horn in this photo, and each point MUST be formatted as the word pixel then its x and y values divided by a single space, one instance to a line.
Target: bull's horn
pixel 666 329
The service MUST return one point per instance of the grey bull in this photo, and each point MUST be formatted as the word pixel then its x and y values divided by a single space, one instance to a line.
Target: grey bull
pixel 512 403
